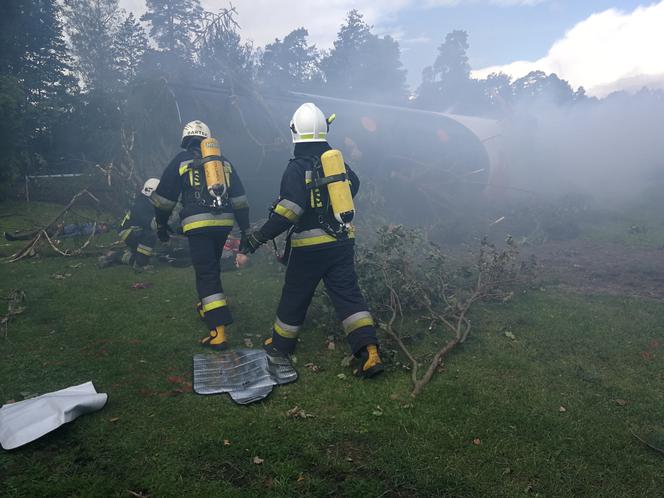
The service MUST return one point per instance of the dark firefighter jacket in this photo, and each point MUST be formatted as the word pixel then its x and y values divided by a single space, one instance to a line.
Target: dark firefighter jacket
pixel 139 216
pixel 185 177
pixel 309 210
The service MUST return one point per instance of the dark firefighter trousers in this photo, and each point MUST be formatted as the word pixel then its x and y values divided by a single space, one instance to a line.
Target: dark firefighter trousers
pixel 205 249
pixel 336 267
pixel 141 245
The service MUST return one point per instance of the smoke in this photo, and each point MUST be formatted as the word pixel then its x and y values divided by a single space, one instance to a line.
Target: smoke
pixel 609 150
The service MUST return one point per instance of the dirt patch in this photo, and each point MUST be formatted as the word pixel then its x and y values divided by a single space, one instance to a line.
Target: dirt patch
pixel 601 268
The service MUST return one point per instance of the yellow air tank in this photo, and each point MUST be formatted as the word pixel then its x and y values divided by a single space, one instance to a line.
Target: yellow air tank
pixel 339 191
pixel 215 179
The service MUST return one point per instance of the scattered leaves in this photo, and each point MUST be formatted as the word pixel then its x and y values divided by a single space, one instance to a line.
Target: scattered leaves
pixel 654 344
pixel 297 412
pixel 60 276
pixel 140 285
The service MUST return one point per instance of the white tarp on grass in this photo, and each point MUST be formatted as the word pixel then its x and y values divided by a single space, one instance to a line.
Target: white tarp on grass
pixel 30 419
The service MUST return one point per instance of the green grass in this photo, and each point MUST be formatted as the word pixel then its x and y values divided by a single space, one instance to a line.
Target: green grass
pixel 579 352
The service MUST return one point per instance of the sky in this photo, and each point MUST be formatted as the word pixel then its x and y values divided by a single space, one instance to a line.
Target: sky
pixel 603 45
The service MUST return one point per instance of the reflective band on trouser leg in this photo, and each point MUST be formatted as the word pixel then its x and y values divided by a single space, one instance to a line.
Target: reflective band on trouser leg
pixel 213 301
pixel 357 321
pixel 285 330
pixel 145 250
pixel 207 220
pixel 289 210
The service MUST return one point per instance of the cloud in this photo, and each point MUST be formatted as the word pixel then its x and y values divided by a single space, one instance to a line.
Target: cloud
pixel 608 51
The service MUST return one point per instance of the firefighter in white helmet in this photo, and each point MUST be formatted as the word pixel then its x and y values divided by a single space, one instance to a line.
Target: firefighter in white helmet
pixel 136 231
pixel 315 206
pixel 207 219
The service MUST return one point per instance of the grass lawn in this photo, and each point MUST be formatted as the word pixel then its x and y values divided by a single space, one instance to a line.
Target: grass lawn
pixel 530 413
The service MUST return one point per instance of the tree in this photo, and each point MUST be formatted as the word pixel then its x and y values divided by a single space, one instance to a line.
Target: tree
pixel 364 66
pixel 446 85
pixel 36 88
pixel 290 63
pixel 538 86
pixel 129 47
pixel 173 24
pixel 92 25
pixel 227 61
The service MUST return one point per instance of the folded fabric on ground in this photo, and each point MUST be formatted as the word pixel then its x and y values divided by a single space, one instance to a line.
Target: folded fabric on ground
pixel 245 374
pixel 30 419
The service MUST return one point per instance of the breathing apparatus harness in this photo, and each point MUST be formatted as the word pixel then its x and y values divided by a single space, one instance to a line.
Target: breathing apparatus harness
pixel 339 231
pixel 203 196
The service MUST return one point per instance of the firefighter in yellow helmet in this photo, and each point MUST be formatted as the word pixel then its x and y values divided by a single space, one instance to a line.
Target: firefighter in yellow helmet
pixel 213 200
pixel 315 206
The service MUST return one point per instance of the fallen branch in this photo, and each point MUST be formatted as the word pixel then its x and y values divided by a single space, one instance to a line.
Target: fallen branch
pixel 15 307
pixel 29 249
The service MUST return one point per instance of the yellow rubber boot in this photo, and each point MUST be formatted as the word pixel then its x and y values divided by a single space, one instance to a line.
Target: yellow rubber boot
pixel 370 362
pixel 216 339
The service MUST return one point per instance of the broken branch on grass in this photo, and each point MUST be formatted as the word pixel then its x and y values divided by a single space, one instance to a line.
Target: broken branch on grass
pixel 29 249
pixel 15 307
pixel 405 272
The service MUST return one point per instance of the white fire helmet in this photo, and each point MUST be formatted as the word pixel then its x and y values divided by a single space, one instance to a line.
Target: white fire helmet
pixel 150 186
pixel 195 129
pixel 309 124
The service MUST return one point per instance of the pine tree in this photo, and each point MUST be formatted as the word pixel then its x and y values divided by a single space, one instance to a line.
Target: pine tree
pixel 36 87
pixel 447 85
pixel 364 66
pixel 92 25
pixel 173 24
pixel 129 46
pixel 290 63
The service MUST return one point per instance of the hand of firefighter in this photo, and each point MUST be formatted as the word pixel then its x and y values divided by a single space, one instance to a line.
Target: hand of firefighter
pixel 250 243
pixel 162 233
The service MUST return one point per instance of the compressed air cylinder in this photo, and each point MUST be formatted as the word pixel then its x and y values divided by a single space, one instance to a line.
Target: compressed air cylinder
pixel 339 191
pixel 215 179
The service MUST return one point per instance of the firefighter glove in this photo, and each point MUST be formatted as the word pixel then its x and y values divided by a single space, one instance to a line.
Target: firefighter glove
pixel 249 244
